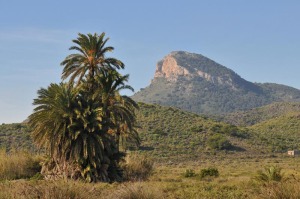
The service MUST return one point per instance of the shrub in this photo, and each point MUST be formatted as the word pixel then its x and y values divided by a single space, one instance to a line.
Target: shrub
pixel 137 167
pixel 218 141
pixel 213 172
pixel 189 173
pixel 272 173
pixel 198 128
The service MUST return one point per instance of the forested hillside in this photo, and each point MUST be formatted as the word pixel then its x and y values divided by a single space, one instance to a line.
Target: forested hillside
pixel 15 136
pixel 280 133
pixel 165 132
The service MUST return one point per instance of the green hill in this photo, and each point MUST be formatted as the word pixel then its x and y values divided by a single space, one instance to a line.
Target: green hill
pixel 170 133
pixel 279 133
pixel 276 126
pixel 15 136
pixel 257 115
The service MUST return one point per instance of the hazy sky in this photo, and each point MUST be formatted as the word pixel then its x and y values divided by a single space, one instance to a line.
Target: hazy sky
pixel 258 39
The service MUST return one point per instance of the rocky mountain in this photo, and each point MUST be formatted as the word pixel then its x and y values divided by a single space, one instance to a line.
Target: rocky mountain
pixel 196 83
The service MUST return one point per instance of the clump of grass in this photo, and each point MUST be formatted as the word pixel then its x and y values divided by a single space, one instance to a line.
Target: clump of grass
pixel 17 165
pixel 137 167
pixel 212 172
pixel 189 173
pixel 138 191
pixel 270 174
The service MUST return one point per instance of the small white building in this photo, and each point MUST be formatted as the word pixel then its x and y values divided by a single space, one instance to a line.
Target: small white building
pixel 293 153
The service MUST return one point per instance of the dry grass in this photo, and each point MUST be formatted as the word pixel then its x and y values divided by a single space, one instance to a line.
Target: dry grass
pixel 281 190
pixel 77 190
pixel 137 167
pixel 137 191
pixel 18 165
pixel 21 189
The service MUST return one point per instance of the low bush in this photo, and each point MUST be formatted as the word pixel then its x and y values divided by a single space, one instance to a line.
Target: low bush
pixel 137 167
pixel 218 141
pixel 213 172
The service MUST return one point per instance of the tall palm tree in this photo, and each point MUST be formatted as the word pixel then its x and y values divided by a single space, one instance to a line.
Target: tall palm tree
pixel 91 58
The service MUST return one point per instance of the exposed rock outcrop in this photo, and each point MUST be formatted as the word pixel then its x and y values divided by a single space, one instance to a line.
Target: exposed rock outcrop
pixel 171 68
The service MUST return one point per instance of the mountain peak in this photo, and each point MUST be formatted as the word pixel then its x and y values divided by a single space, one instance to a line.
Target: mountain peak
pixel 190 65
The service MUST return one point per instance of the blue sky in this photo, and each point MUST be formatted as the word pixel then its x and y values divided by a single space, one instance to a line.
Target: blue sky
pixel 260 40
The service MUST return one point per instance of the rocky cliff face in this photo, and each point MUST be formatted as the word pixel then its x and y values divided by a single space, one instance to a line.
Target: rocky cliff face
pixel 169 69
pixel 172 67
pixel 196 83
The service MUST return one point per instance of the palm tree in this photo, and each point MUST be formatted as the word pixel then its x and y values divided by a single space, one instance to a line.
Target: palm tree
pixel 91 58
pixel 272 173
pixel 81 126
pixel 64 123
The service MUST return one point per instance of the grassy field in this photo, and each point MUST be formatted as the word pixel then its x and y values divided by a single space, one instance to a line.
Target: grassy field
pixel 168 180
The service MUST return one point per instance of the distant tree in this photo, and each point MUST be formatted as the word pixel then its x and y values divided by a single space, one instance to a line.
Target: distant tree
pixel 218 141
